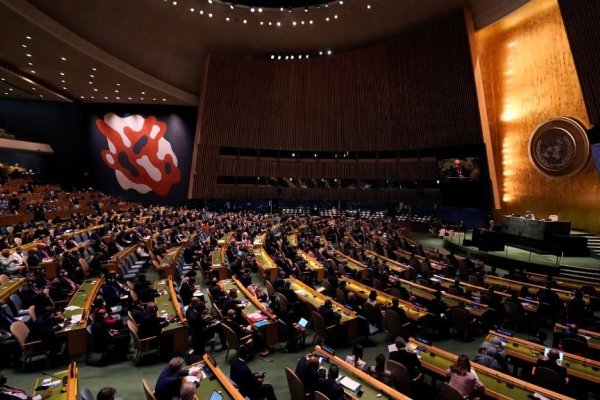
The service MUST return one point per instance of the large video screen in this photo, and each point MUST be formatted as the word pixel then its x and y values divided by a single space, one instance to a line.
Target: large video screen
pixel 459 169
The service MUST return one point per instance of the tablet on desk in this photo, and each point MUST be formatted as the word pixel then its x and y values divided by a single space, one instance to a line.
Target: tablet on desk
pixel 303 322
pixel 215 396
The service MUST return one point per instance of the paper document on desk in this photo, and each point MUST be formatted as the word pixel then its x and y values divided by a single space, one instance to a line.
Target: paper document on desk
pixel 349 384
pixel 300 292
pixel 392 347
pixel 72 308
pixel 76 318
pixel 539 396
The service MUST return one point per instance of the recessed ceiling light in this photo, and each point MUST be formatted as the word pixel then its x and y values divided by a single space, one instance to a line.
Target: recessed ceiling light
pixel 154 98
pixel 93 69
pixel 28 55
pixel 341 1
pixel 41 95
pixel 311 22
pixel 368 6
pixel 252 9
pixel 64 58
pixel 141 98
pixel 63 81
pixel 92 97
pixel 2 79
pixel 106 97
pixel 260 10
pixel 245 21
pixel 95 90
pixel 118 98
pixel 335 16
pixel 62 73
pixel 24 46
pixel 209 15
pixel 227 19
pixel 327 19
pixel 118 84
pixel 91 83
pixel 30 64
pixel 278 23
pixel 33 88
pixel 262 23
pixel 143 92
pixel 28 37
pixel 64 88
pixel 201 12
pixel 129 98
pixel 294 23
pixel 91 76
pixel 192 10
pixel 164 99
pixel 32 71
pixel 116 91
pixel 174 3
pixel 83 97
pixel 329 52
pixel 11 89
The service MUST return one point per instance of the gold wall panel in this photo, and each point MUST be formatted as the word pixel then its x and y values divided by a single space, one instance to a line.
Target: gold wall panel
pixel 529 76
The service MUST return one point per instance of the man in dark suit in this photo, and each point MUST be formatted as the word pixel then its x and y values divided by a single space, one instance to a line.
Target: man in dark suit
pixel 552 362
pixel 150 324
pixel 249 383
pixel 407 358
pixel 458 170
pixel 307 370
pixel 169 381
pixel 329 386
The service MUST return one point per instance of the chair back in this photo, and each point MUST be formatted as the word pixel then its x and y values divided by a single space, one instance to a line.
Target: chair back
pixel 270 290
pixel 373 314
pixel 282 300
pixel 400 377
pixel 148 390
pixel 86 394
pixel 548 378
pixel 232 341
pixel 393 324
pixel 18 241
pixel 377 284
pixel 320 396
pixel 133 329
pixel 20 331
pixel 576 311
pixel 513 314
pixel 318 324
pixel 32 315
pixel 85 268
pixel 574 346
pixel 447 392
pixel 295 385
pixel 327 286
pixel 4 279
pixel 340 295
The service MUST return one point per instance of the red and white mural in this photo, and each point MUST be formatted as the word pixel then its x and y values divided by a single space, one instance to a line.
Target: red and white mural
pixel 142 158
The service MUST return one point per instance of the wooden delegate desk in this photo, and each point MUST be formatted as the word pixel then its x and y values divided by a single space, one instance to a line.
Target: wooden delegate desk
pixel 78 312
pixel 412 311
pixel 168 305
pixel 259 240
pixel 565 283
pixel 371 387
pixel 10 287
pixel 497 384
pixel 395 266
pixel 315 299
pixel 266 263
pixel 313 265
pixel 592 337
pixel 293 239
pixel 222 384
pixel 351 263
pixel 169 261
pixel 217 265
pixel 60 391
pixel 516 286
pixel 112 265
pixel 253 307
pixel 580 367
pixel 529 306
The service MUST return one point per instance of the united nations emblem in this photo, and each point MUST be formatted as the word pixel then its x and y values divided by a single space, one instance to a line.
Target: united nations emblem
pixel 559 147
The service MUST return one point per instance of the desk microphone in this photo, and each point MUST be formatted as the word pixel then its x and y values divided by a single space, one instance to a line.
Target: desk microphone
pixel 63 379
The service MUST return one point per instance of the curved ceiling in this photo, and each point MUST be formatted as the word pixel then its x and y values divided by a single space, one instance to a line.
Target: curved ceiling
pixel 155 51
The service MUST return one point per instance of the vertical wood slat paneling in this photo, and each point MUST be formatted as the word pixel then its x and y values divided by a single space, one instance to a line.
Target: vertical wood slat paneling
pixel 582 24
pixel 416 91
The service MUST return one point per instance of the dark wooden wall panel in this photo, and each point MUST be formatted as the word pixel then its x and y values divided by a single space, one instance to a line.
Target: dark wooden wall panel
pixel 582 23
pixel 414 92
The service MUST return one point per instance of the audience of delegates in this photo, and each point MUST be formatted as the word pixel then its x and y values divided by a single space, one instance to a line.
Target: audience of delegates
pixel 552 361
pixel 166 227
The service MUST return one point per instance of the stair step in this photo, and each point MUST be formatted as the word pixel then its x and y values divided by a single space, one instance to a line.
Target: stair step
pixel 594 281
